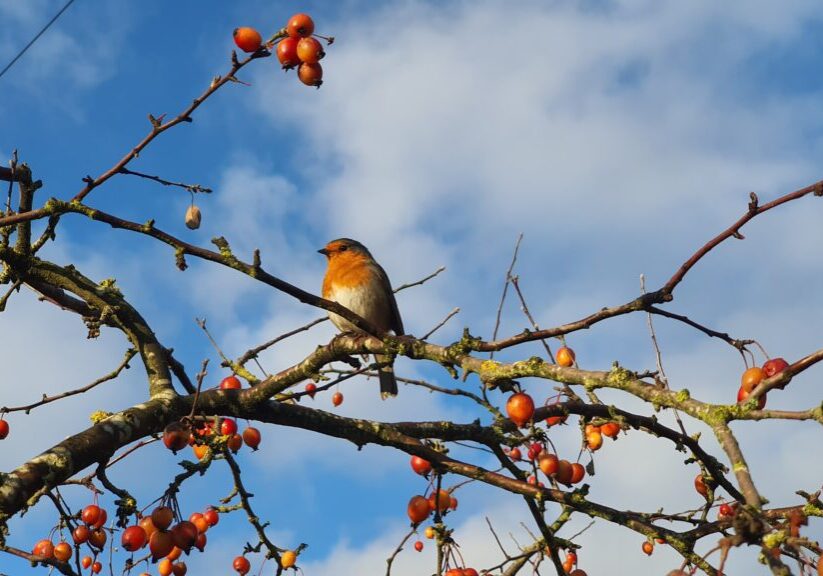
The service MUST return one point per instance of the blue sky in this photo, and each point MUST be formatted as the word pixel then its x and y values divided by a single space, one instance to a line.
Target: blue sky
pixel 617 136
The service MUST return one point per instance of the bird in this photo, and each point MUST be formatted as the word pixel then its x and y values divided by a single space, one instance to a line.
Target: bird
pixel 355 280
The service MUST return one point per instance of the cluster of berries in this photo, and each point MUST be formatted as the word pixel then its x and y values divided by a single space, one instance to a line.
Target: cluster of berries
pixel 295 46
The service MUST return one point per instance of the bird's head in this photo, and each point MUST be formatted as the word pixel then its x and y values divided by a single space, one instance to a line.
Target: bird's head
pixel 344 247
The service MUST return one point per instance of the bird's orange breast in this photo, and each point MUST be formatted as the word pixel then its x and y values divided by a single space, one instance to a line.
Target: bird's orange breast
pixel 346 270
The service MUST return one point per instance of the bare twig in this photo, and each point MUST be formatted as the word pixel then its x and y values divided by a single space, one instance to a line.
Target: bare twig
pixel 397 550
pixel 505 290
pixel 193 188
pixel 524 307
pixel 440 324
pixel 421 281
pixel 658 356
pixel 124 364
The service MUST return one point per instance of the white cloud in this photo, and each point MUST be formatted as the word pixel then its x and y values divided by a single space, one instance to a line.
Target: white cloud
pixel 618 139
pixel 78 52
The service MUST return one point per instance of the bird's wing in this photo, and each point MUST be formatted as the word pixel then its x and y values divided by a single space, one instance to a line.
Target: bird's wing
pixel 396 323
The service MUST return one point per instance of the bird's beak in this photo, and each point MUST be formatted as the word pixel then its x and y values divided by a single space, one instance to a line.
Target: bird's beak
pixel 324 252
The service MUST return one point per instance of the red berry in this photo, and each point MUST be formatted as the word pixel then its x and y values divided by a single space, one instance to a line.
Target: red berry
pixel 311 389
pixel 184 535
pixel 101 519
pixel 418 509
pixel 133 538
pixel 228 427
pixel 418 546
pixel 80 534
pixel 162 517
pixel 287 52
pixel 337 398
pixel 700 486
pixel 230 383
pixel 161 544
pixel 420 465
pixel 176 436
pixel 4 429
pixel 90 514
pixel 310 74
pixel 97 538
pixel 300 26
pixel 211 516
pixel 247 39
pixel 241 565
pixel 235 443
pixel 775 366
pixel 515 454
pixel 62 551
pixel 251 436
pixel 44 548
pixel 725 511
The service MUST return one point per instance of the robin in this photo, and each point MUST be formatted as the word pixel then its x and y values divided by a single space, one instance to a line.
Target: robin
pixel 354 280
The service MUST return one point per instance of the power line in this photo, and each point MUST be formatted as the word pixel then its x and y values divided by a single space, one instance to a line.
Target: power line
pixel 33 40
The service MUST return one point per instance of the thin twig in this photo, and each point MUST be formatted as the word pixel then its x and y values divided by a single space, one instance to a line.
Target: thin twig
pixel 516 283
pixel 193 188
pixel 505 290
pixel 659 357
pixel 124 364
pixel 440 324
pixel 397 550
pixel 421 281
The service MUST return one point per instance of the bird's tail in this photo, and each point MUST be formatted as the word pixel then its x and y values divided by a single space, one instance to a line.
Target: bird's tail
pixel 388 382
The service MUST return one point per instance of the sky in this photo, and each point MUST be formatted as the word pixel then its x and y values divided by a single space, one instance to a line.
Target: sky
pixel 617 136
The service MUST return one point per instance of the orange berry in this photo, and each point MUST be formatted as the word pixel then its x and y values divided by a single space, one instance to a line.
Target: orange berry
pixel 310 50
pixel 44 548
pixel 520 408
pixel 337 397
pixel 610 429
pixel 565 356
pixel 594 440
pixel 300 26
pixel 288 559
pixel 62 551
pixel 701 486
pixel 648 548
pixel 200 451
pixel 548 464
pixel 310 74
pixel 578 472
pixel 751 378
pixel 564 472
pixel 247 39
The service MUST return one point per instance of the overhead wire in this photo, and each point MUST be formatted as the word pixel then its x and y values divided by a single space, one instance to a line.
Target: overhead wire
pixel 36 37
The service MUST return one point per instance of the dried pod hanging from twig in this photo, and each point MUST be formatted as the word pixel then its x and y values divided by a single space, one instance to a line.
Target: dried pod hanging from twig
pixel 193 217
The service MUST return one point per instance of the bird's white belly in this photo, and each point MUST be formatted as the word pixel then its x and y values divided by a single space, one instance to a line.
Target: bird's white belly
pixel 365 303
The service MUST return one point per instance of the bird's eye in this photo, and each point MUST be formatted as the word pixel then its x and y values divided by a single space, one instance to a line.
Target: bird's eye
pixel 344 248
